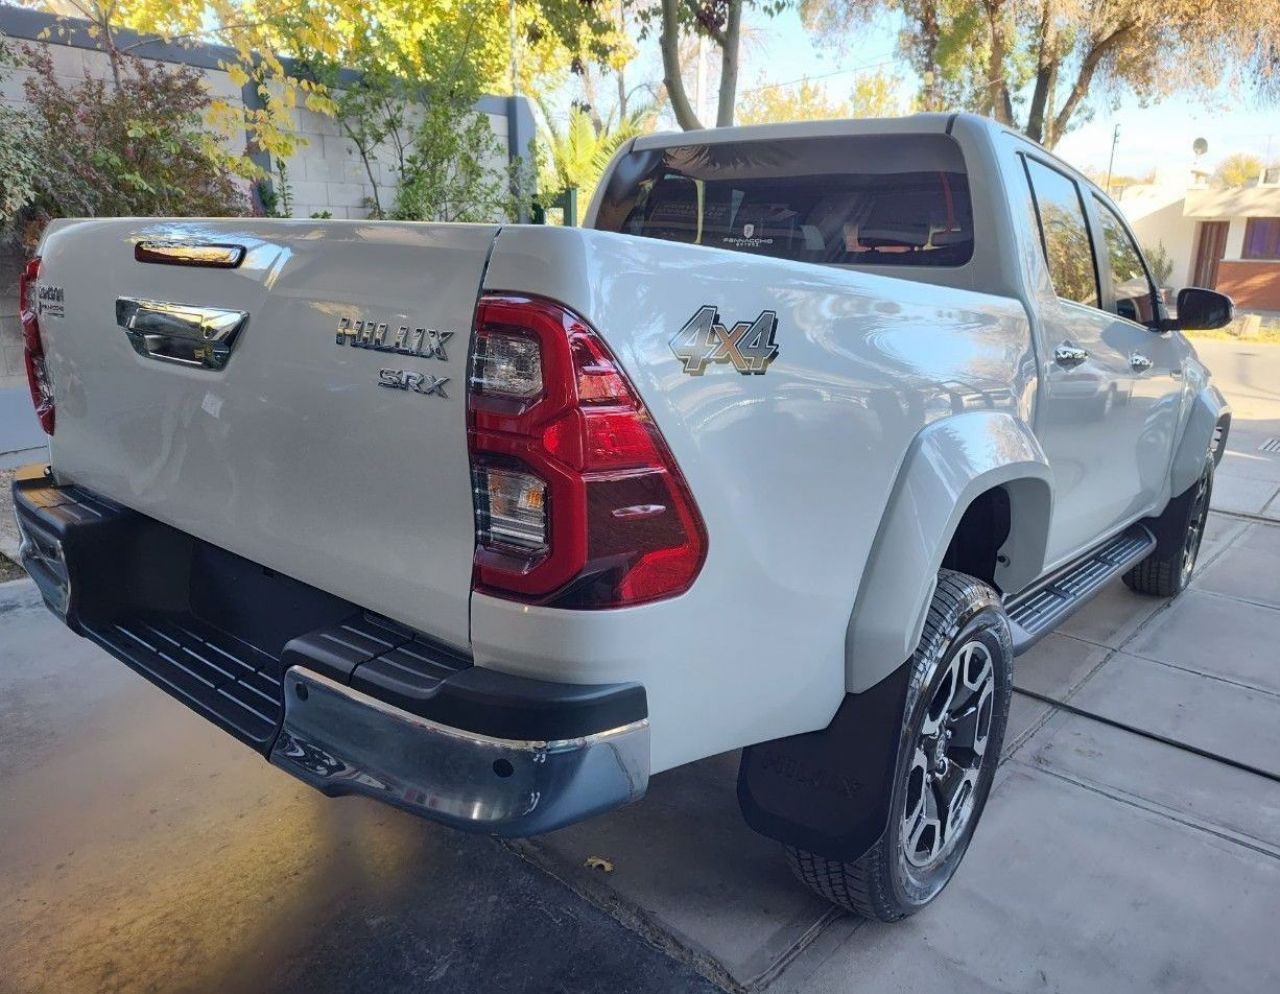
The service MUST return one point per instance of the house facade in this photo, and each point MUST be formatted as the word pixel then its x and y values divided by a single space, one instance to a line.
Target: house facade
pixel 1226 239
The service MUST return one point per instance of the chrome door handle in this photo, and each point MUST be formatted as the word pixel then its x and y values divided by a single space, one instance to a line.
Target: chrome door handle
pixel 1069 355
pixel 1139 362
pixel 180 333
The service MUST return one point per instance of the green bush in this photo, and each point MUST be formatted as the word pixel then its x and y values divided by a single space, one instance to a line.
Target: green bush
pixel 446 174
pixel 19 155
pixel 136 148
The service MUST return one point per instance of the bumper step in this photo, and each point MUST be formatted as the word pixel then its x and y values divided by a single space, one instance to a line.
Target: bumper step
pixel 1034 613
pixel 234 685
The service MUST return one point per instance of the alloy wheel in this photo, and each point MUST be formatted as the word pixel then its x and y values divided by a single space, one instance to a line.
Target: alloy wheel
pixel 947 757
pixel 1195 527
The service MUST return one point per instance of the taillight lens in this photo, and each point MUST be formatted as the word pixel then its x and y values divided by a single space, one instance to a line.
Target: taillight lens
pixel 579 503
pixel 33 348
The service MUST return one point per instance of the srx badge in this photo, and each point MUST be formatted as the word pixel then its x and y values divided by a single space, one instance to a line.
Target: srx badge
pixel 749 345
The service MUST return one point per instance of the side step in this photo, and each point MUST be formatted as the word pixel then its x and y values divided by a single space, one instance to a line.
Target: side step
pixel 1037 611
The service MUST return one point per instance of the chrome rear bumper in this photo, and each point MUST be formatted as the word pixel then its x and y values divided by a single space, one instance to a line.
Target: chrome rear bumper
pixel 342 741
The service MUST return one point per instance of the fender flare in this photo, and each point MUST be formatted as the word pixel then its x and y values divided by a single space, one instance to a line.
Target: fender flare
pixel 949 463
pixel 1209 409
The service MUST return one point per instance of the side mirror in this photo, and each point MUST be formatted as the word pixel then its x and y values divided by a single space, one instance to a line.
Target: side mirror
pixel 1201 310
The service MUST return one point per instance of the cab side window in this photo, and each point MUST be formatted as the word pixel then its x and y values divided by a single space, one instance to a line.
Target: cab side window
pixel 1129 281
pixel 1064 234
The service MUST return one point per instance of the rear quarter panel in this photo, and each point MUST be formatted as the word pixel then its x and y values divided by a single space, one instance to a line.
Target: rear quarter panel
pixel 791 469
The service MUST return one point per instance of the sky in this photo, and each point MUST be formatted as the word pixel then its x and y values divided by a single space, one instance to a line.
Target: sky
pixel 777 50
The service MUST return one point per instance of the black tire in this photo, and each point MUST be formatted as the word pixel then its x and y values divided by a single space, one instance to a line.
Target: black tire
pixel 886 884
pixel 1179 531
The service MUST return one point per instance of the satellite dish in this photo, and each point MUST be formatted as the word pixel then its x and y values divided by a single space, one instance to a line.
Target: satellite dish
pixel 1199 146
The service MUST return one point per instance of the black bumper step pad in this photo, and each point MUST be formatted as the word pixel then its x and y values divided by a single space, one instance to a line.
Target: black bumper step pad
pixel 227 681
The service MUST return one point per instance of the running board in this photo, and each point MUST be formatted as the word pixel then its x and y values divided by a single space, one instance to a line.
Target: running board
pixel 1035 612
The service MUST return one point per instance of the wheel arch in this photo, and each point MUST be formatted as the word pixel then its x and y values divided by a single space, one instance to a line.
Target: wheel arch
pixel 1205 433
pixel 957 473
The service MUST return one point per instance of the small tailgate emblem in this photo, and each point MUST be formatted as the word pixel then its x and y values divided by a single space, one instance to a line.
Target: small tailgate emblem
pixel 749 345
pixel 407 379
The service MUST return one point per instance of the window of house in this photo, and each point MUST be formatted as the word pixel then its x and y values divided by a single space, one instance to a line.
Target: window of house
pixel 1064 233
pixel 1130 285
pixel 1262 238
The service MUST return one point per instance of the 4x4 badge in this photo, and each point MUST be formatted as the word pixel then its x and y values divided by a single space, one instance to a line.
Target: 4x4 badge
pixel 749 345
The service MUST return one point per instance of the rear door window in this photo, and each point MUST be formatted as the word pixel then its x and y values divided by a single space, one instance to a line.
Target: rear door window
pixel 854 200
pixel 1064 234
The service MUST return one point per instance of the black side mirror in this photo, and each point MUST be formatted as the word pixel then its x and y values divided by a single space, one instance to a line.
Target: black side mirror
pixel 1201 310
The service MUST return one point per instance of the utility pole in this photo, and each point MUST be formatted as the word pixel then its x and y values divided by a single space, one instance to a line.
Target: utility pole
pixel 1115 140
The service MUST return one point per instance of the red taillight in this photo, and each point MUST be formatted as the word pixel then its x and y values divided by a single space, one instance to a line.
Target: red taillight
pixel 579 503
pixel 33 348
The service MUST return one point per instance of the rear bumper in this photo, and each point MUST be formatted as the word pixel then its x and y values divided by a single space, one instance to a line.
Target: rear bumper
pixel 346 701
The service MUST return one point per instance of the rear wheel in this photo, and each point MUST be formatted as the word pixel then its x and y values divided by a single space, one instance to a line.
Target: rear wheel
pixel 1179 532
pixel 957 709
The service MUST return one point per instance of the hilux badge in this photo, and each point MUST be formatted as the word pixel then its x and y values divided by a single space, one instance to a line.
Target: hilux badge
pixel 380 337
pixel 749 345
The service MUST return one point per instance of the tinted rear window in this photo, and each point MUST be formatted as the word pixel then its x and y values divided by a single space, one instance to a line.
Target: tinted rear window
pixel 875 200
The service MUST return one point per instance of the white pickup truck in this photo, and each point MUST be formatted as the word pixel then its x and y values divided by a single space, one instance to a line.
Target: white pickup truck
pixel 791 449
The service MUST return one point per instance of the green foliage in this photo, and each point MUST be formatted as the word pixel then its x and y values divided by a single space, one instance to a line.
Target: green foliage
pixel 449 169
pixel 139 148
pixel 1239 169
pixel 1161 263
pixel 577 156
pixel 19 155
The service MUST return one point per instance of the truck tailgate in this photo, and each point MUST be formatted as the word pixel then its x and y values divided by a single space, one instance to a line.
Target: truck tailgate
pixel 329 442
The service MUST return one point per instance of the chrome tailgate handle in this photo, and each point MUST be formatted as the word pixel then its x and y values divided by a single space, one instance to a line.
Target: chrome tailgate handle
pixel 180 333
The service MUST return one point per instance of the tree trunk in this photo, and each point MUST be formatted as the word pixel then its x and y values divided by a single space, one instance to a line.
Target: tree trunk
pixel 589 91
pixel 931 97
pixel 669 42
pixel 729 65
pixel 1047 63
pixel 1084 77
pixel 996 95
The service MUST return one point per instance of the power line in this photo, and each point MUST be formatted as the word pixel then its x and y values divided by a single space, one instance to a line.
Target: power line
pixel 825 75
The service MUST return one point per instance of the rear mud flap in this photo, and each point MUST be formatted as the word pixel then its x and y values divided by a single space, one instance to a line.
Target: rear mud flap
pixel 830 792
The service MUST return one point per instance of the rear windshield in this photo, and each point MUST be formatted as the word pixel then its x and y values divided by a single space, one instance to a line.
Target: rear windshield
pixel 878 200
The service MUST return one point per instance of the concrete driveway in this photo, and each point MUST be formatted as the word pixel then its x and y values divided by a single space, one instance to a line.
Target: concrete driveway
pixel 140 849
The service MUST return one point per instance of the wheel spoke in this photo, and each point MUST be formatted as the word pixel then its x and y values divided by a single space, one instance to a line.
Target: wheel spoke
pixel 924 840
pixel 943 697
pixel 954 790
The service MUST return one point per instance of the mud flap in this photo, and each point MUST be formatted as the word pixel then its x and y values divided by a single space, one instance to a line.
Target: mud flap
pixel 830 792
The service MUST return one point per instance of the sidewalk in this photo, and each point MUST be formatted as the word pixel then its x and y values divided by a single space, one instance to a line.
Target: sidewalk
pixel 21 440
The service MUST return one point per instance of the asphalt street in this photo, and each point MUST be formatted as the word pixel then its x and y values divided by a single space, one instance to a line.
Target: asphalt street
pixel 143 850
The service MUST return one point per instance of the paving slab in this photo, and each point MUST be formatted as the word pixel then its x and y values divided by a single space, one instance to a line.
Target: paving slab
pixel 1057 664
pixel 1179 783
pixel 1066 889
pixel 684 861
pixel 1220 636
pixel 1113 615
pixel 1228 719
pixel 1248 568
pixel 1242 494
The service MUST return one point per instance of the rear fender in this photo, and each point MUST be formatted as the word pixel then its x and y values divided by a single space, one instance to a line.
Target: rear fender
pixel 949 464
